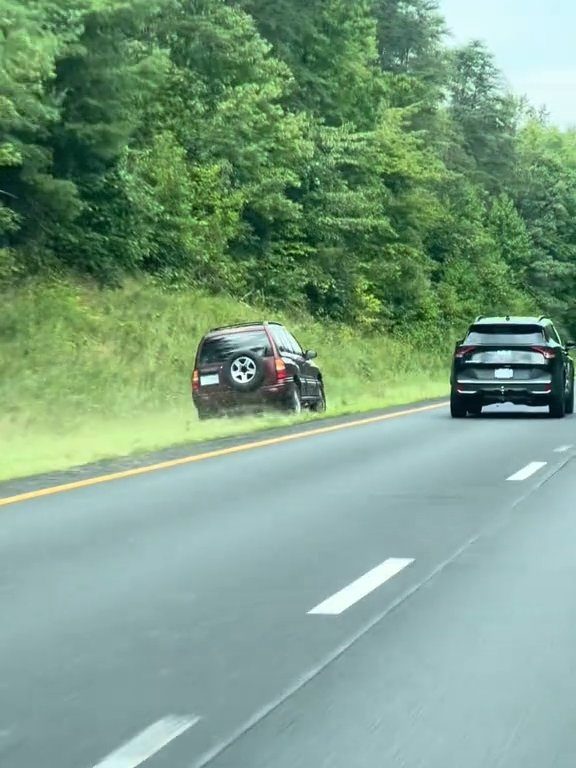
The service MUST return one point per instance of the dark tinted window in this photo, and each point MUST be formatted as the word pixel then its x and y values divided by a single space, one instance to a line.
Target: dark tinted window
pixel 505 334
pixel 282 338
pixel 219 348
pixel 505 357
pixel 279 336
pixel 294 344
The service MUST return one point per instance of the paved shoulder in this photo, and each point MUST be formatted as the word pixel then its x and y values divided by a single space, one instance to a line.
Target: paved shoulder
pixel 132 466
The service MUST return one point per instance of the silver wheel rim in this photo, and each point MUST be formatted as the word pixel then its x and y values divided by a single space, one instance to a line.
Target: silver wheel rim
pixel 243 370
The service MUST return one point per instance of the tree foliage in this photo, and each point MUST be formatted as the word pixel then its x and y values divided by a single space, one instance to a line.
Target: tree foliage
pixel 331 154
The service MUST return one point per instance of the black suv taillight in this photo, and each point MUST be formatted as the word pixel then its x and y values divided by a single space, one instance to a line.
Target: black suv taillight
pixel 463 351
pixel 546 352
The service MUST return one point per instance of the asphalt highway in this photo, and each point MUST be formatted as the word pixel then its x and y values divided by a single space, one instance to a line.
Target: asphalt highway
pixel 395 594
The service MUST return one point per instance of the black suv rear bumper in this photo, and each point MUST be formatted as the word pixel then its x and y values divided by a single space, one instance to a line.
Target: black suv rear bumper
pixel 521 393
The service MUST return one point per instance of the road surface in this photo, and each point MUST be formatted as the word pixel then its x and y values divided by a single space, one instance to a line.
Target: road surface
pixel 399 594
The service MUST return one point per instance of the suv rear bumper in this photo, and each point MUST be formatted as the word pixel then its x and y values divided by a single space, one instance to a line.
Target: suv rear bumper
pixel 521 393
pixel 273 395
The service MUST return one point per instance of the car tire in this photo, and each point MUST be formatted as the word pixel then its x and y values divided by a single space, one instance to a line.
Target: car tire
pixel 570 399
pixel 475 409
pixel 319 405
pixel 557 406
pixel 458 409
pixel 294 401
pixel 244 371
pixel 204 414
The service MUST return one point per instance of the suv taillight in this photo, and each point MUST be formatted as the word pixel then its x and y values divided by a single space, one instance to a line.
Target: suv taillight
pixel 547 353
pixel 195 381
pixel 463 351
pixel 281 373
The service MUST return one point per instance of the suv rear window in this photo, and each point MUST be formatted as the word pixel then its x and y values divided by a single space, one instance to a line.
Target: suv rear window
pixel 217 349
pixel 505 334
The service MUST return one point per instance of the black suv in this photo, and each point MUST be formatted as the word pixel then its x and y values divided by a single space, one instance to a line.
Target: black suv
pixel 255 365
pixel 517 360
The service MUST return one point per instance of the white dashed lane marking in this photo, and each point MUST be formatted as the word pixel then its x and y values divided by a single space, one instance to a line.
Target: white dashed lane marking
pixel 147 743
pixel 358 589
pixel 527 471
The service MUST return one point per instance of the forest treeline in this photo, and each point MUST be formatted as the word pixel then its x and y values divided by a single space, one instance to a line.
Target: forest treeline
pixel 331 155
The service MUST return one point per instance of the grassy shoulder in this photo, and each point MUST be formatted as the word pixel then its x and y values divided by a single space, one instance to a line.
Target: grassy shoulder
pixel 89 375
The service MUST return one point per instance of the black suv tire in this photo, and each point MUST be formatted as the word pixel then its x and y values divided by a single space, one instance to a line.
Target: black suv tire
pixel 294 401
pixel 207 413
pixel 557 405
pixel 319 405
pixel 570 399
pixel 458 408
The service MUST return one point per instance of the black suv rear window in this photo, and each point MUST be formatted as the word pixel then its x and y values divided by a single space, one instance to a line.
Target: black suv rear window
pixel 505 334
pixel 217 349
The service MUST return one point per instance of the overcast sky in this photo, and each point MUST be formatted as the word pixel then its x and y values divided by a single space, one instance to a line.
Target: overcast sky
pixel 534 42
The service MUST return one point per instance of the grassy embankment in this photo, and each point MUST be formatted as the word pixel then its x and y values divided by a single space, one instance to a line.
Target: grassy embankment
pixel 87 375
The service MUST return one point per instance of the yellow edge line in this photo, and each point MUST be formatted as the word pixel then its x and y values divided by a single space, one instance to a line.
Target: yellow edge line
pixel 211 455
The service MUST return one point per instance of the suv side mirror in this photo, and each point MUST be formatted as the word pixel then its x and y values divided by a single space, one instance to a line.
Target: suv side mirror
pixel 571 345
pixel 310 354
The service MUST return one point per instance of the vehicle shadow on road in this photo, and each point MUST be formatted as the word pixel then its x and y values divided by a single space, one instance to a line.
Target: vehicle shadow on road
pixel 516 414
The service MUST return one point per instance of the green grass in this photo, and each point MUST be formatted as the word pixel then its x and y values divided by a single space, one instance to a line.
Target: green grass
pixel 88 375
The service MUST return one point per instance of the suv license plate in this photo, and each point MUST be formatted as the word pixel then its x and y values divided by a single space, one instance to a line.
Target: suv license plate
pixel 210 380
pixel 504 373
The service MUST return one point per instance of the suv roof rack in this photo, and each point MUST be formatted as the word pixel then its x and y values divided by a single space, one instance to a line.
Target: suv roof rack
pixel 480 317
pixel 235 325
pixel 244 325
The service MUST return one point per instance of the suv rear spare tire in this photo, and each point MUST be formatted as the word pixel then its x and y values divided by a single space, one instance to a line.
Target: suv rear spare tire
pixel 244 371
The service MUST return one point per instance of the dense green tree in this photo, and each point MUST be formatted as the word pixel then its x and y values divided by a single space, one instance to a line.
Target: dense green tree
pixel 105 79
pixel 330 47
pixel 31 199
pixel 331 154
pixel 485 115
pixel 411 50
pixel 509 231
pixel 224 102
pixel 546 200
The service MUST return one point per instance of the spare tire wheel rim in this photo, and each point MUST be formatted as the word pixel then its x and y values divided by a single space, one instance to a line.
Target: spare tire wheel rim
pixel 243 370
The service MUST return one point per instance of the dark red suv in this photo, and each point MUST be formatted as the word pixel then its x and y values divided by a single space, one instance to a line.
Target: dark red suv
pixel 255 365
